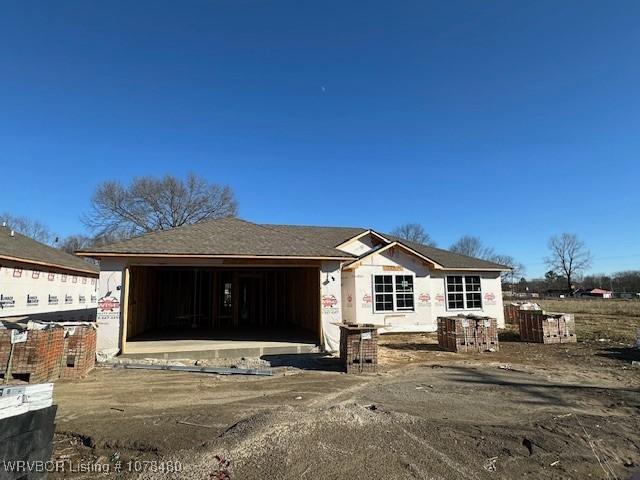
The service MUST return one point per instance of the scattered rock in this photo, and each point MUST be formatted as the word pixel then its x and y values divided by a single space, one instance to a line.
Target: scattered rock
pixel 528 444
pixel 490 464
pixel 298 397
pixel 635 364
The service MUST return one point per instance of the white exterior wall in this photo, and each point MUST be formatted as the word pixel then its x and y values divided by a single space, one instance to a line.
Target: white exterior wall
pixel 429 291
pixel 394 262
pixel 330 304
pixel 110 301
pixel 349 300
pixel 26 289
pixel 491 295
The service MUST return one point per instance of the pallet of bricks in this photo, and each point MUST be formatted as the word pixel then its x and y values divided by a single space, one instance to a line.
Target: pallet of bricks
pixel 468 333
pixel 79 353
pixel 541 327
pixel 511 311
pixel 359 348
pixel 36 359
pixel 38 353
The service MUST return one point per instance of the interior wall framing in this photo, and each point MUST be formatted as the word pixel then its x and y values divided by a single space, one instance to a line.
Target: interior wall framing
pixel 161 298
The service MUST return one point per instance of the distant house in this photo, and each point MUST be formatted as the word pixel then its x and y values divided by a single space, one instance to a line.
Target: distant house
pixel 43 283
pixel 594 292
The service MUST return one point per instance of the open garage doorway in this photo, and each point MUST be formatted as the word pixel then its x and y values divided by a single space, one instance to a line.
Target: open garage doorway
pixel 178 309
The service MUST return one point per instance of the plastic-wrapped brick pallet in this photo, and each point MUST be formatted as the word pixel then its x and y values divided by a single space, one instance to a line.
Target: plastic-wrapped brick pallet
pixel 359 348
pixel 38 358
pixel 49 353
pixel 468 333
pixel 79 354
pixel 543 327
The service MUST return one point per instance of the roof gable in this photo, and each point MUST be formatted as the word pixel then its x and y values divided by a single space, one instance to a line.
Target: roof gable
pixel 389 246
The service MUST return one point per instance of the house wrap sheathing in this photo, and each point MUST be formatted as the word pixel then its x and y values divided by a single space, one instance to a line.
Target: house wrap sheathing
pixel 236 277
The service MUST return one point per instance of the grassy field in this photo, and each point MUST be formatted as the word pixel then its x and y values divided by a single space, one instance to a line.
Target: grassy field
pixel 615 320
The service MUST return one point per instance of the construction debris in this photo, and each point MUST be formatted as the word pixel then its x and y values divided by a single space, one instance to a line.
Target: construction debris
pixel 194 369
pixel 182 422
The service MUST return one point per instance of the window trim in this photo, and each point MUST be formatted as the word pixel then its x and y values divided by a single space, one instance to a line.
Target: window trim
pixel 464 293
pixel 393 293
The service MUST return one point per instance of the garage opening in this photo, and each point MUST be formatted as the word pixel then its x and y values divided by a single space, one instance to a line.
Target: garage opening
pixel 203 308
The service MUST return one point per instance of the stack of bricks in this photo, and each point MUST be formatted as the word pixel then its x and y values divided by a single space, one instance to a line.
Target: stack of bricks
pixel 359 348
pixel 79 354
pixel 47 355
pixel 467 333
pixel 38 359
pixel 541 327
pixel 511 313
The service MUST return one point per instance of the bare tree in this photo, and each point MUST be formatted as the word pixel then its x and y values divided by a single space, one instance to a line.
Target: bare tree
pixel 472 247
pixel 414 232
pixel 73 243
pixel 569 256
pixel 28 227
pixel 517 269
pixel 150 204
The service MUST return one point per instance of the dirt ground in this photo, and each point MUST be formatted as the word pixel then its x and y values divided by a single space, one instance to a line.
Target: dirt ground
pixel 527 411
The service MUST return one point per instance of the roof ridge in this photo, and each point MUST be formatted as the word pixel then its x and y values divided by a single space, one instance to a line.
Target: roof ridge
pixel 333 247
pixel 312 226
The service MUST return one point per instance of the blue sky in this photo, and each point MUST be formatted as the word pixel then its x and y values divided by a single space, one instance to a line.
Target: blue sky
pixel 507 120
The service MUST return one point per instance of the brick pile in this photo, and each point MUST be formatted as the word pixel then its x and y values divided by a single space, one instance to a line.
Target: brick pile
pixel 511 313
pixel 38 359
pixel 47 355
pixel 467 333
pixel 540 327
pixel 359 348
pixel 79 354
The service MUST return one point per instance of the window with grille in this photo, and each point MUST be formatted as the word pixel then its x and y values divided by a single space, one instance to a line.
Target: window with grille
pixel 393 293
pixel 464 292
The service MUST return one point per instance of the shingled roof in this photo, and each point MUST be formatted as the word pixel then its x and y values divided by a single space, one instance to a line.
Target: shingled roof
pixel 20 248
pixel 220 237
pixel 334 236
pixel 236 237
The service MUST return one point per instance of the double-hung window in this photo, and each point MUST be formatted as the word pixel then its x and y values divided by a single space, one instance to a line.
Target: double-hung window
pixel 464 292
pixel 393 293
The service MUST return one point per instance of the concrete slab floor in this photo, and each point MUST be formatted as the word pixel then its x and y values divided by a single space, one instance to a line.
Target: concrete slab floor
pixel 219 344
